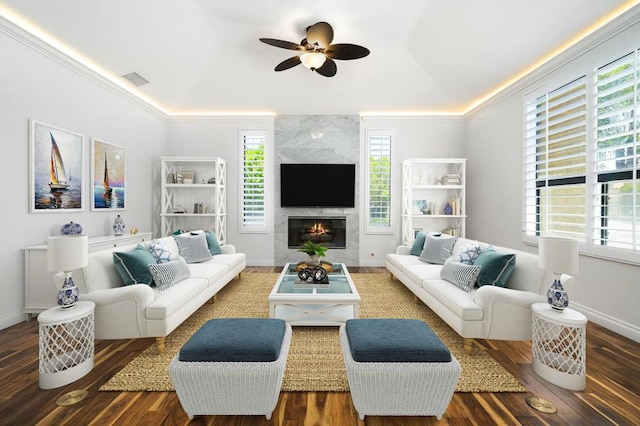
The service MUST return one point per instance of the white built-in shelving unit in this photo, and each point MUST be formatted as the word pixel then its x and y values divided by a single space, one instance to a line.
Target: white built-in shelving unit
pixel 433 196
pixel 194 195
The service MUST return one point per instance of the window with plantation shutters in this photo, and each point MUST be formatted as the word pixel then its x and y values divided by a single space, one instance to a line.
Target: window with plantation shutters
pixel 252 181
pixel 616 171
pixel 582 160
pixel 378 184
pixel 556 162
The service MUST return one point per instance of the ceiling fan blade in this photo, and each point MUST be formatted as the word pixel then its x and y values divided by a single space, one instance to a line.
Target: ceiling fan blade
pixel 281 43
pixel 320 33
pixel 328 69
pixel 288 63
pixel 346 51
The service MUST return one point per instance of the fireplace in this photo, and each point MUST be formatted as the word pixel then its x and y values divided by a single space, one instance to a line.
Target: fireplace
pixel 328 231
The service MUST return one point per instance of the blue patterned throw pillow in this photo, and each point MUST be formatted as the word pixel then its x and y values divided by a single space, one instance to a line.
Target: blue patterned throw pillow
pixel 161 252
pixel 460 274
pixel 468 254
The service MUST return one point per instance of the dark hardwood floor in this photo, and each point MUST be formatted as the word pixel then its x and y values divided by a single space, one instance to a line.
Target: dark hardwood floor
pixel 612 395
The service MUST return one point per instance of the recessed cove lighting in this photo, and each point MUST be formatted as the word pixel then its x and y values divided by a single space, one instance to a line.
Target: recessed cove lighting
pixel 136 79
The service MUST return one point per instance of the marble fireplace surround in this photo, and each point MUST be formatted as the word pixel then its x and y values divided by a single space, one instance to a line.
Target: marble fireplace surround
pixel 328 139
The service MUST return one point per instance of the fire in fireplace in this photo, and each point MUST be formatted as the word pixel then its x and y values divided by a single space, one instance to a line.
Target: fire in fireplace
pixel 330 231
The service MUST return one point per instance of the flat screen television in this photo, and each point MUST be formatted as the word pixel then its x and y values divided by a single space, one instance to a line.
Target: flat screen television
pixel 317 185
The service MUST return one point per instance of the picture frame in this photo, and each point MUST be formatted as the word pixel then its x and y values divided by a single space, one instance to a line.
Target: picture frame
pixel 108 176
pixel 56 169
pixel 419 206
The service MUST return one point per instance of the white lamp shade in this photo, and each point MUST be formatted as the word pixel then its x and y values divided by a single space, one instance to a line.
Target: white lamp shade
pixel 67 252
pixel 313 60
pixel 558 255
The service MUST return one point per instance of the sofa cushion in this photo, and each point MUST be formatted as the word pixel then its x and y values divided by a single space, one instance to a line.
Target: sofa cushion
pixel 133 265
pixel 193 247
pixel 458 301
pixel 460 274
pixel 422 271
pixel 418 244
pixel 401 260
pixel 235 340
pixel 437 249
pixel 174 298
pixel 394 340
pixel 213 272
pixel 166 274
pixel 230 260
pixel 212 243
pixel 495 267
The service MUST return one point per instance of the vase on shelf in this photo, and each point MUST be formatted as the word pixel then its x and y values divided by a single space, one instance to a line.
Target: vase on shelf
pixel 118 226
pixel 71 228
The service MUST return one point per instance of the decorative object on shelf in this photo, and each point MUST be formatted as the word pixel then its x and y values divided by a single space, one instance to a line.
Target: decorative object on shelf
pixel 448 209
pixel 212 181
pixel 314 250
pixel 188 177
pixel 118 226
pixel 420 206
pixel 67 253
pixel 179 209
pixel 199 208
pixel 71 228
pixel 315 275
pixel 134 231
pixel 560 256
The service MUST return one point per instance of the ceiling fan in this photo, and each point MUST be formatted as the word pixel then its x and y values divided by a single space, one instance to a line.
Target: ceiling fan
pixel 318 52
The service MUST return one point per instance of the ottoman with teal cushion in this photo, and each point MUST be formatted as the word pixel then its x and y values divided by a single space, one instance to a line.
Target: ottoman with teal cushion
pixel 397 367
pixel 232 366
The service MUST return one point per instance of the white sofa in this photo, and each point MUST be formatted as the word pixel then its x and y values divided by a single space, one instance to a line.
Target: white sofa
pixel 140 310
pixel 488 312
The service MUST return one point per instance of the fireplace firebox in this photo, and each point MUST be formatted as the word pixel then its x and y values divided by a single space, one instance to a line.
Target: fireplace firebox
pixel 328 231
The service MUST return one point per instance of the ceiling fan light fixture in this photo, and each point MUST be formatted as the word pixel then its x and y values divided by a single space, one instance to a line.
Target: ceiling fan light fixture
pixel 313 60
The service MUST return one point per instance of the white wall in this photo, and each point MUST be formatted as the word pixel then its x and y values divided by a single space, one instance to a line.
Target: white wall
pixel 220 137
pixel 415 137
pixel 606 291
pixel 35 86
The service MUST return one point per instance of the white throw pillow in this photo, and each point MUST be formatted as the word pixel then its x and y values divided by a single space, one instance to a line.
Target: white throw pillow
pixel 460 274
pixel 161 252
pixel 168 273
pixel 468 254
pixel 193 247
pixel 437 249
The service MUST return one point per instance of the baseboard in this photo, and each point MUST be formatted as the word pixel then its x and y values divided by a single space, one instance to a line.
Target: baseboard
pixel 372 262
pixel 625 329
pixel 12 318
pixel 260 262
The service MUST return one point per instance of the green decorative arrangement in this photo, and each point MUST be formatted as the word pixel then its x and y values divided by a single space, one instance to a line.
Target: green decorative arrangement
pixel 313 249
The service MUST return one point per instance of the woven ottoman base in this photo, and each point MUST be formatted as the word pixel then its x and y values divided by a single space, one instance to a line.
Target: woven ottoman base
pixel 230 387
pixel 399 388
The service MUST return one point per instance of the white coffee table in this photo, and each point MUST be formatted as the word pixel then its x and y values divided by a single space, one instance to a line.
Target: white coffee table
pixel 301 303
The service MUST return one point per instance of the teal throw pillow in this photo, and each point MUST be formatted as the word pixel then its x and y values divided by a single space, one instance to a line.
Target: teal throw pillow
pixel 418 243
pixel 495 268
pixel 212 243
pixel 133 266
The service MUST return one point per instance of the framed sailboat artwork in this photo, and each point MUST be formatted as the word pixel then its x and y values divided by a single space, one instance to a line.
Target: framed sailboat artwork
pixel 56 169
pixel 108 176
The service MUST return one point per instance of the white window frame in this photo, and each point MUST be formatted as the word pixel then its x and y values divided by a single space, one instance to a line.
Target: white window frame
pixel 589 245
pixel 259 228
pixel 370 228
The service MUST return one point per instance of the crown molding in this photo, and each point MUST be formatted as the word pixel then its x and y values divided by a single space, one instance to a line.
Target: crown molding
pixel 25 37
pixel 593 40
pixel 413 118
pixel 217 118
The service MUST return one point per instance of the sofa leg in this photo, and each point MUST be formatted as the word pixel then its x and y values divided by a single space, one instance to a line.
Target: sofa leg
pixel 415 299
pixel 468 346
pixel 213 299
pixel 393 278
pixel 160 344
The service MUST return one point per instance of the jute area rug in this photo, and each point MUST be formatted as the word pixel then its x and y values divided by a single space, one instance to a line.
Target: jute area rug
pixel 315 359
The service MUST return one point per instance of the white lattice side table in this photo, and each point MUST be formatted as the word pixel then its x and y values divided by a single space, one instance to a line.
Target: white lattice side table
pixel 66 344
pixel 559 346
